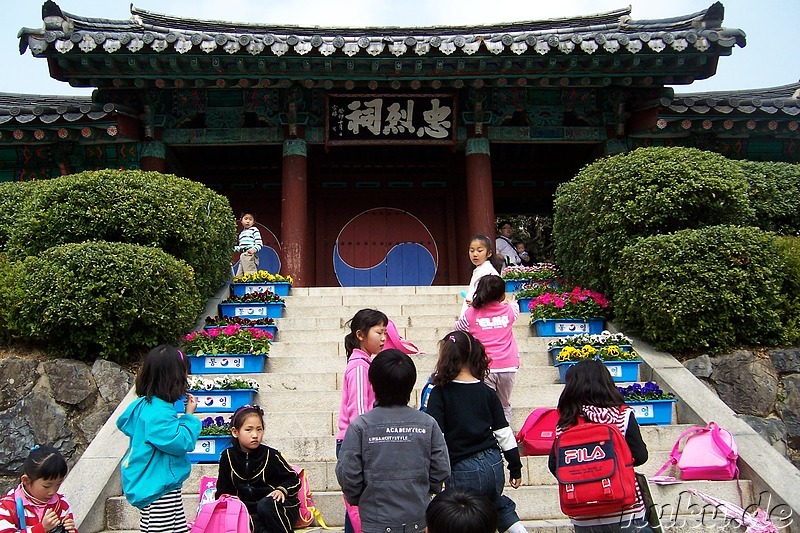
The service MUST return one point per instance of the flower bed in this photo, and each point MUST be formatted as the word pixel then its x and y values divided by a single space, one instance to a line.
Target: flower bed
pixel 232 339
pixel 516 276
pixel 604 338
pixel 262 276
pixel 266 323
pixel 649 403
pixel 622 365
pixel 575 304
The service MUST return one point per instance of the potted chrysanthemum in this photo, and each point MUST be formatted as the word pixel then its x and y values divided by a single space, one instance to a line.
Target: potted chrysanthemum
pixel 555 313
pixel 650 404
pixel 261 281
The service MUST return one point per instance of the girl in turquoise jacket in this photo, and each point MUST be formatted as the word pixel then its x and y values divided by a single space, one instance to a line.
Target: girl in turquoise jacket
pixel 155 465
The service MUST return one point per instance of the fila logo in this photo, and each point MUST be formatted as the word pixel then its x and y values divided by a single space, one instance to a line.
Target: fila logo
pixel 582 455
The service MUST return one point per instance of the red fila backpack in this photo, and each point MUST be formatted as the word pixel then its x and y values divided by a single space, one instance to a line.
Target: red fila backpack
pixel 594 469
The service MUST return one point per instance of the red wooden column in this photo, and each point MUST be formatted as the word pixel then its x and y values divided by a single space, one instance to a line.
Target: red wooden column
pixel 153 156
pixel 296 249
pixel 480 197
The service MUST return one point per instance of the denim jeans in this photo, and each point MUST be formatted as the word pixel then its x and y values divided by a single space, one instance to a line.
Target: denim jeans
pixel 348 527
pixel 483 472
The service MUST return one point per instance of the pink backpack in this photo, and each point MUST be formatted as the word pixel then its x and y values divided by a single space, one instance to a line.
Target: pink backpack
pixel 710 453
pixel 225 515
pixel 538 432
pixel 394 340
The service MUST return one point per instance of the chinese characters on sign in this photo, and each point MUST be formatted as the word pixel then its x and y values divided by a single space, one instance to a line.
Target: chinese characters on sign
pixel 386 119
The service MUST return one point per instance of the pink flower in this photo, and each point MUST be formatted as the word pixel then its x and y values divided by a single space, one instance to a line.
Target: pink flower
pixel 232 329
pixel 559 302
pixel 213 332
pixel 190 336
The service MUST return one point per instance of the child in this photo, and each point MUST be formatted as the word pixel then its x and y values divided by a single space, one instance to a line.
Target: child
pixel 393 457
pixel 481 254
pixel 366 338
pixel 155 465
pixel 249 245
pixel 491 321
pixel 461 511
pixel 524 256
pixel 258 475
pixel 45 509
pixel 471 417
pixel 590 381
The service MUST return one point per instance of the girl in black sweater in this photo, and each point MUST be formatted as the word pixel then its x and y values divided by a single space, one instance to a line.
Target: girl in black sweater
pixel 258 475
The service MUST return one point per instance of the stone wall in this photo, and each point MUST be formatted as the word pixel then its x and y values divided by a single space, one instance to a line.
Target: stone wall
pixel 60 402
pixel 763 388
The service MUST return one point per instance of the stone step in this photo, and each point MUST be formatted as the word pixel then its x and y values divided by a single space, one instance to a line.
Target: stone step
pixel 323 475
pixel 330 356
pixel 371 301
pixel 414 334
pixel 533 503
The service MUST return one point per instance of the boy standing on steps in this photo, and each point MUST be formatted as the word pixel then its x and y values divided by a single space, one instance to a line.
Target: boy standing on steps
pixel 393 457
pixel 249 245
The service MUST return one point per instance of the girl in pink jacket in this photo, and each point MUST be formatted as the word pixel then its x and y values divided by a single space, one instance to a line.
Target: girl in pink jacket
pixel 491 319
pixel 366 338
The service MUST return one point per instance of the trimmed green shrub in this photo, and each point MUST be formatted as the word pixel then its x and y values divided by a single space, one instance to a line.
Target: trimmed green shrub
pixel 710 288
pixel 774 195
pixel 101 299
pixel 12 196
pixel 789 250
pixel 646 192
pixel 182 217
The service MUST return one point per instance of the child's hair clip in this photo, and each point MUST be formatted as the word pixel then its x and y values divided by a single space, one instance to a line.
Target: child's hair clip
pixel 34 447
pixel 453 338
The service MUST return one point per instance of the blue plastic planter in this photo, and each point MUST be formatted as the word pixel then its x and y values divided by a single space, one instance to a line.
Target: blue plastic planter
pixel 252 310
pixel 523 304
pixel 208 449
pixel 512 285
pixel 281 288
pixel 657 412
pixel 218 401
pixel 621 371
pixel 555 350
pixel 559 327
pixel 227 364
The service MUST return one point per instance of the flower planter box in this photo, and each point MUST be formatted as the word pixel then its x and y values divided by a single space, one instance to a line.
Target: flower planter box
pixel 523 304
pixel 621 371
pixel 281 288
pixel 555 350
pixel 271 329
pixel 658 412
pixel 559 327
pixel 252 310
pixel 208 449
pixel 227 364
pixel 512 285
pixel 218 401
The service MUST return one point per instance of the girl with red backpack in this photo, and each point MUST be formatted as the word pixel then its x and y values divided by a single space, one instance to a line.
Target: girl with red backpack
pixel 590 396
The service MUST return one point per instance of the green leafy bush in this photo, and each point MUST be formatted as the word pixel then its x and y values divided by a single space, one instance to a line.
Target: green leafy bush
pixel 710 288
pixel 649 191
pixel 774 195
pixel 12 196
pixel 101 299
pixel 789 250
pixel 182 217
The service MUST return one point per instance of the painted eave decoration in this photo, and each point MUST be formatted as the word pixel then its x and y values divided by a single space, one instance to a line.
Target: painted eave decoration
pixel 614 32
pixel 31 118
pixel 769 111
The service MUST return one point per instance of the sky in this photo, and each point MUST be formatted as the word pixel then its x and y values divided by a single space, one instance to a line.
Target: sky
pixel 769 59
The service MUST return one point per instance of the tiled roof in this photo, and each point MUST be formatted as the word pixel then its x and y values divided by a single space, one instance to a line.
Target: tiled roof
pixel 33 108
pixel 784 99
pixel 146 32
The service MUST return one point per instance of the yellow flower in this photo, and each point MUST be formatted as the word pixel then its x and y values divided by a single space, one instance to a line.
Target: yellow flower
pixel 588 352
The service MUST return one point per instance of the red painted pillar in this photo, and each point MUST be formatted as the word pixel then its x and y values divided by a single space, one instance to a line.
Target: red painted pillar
pixel 296 249
pixel 480 197
pixel 153 156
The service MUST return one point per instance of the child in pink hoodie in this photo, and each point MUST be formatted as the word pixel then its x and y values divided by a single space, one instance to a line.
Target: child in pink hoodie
pixel 366 338
pixel 491 319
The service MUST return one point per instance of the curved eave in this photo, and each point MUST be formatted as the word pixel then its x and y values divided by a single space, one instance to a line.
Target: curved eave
pixel 611 32
pixel 766 102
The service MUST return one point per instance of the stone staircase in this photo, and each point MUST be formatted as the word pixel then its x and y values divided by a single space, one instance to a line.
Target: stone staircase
pixel 300 392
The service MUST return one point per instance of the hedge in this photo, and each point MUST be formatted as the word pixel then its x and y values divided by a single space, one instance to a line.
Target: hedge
pixel 649 191
pixel 182 217
pixel 774 195
pixel 710 288
pixel 789 250
pixel 101 299
pixel 12 195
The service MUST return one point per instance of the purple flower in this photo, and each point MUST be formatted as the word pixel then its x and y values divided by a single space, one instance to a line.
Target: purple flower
pixel 207 421
pixel 219 421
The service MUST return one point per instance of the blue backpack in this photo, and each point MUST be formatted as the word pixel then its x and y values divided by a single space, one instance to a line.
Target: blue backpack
pixel 425 394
